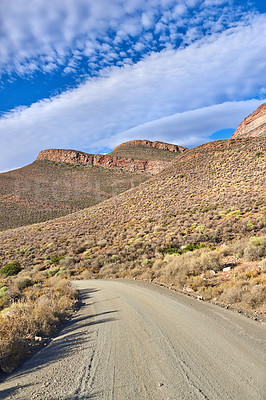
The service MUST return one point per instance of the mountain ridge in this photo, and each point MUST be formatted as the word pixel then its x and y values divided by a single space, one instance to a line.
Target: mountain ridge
pixel 156 144
pixel 254 125
pixel 76 157
pixel 154 162
pixel 61 181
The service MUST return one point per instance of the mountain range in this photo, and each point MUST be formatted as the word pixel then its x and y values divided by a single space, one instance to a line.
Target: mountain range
pixel 60 181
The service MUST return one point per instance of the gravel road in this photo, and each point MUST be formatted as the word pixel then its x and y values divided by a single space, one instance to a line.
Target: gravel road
pixel 134 341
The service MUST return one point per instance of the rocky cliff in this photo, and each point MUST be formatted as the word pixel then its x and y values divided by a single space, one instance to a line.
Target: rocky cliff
pixel 105 161
pixel 254 125
pixel 123 157
pixel 157 145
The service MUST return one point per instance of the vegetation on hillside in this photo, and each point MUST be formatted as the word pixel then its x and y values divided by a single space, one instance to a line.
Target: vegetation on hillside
pixel 45 190
pixel 198 227
pixel 141 152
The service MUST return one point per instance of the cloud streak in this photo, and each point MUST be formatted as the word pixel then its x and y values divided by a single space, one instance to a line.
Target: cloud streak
pixel 190 128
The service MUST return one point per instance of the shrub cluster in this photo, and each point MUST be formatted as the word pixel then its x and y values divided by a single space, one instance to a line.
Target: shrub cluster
pixel 37 314
pixel 10 269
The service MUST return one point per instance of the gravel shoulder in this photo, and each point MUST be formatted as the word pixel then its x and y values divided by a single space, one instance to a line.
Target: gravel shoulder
pixel 134 341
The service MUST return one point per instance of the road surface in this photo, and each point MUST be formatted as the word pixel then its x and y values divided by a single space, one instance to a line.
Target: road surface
pixel 136 341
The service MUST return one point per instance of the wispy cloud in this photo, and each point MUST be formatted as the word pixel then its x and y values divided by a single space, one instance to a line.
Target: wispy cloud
pixel 226 67
pixel 189 128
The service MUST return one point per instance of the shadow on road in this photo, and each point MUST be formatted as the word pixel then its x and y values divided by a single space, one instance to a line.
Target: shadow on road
pixel 67 340
pixel 12 391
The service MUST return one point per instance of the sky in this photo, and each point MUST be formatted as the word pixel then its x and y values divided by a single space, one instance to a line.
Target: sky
pixel 89 75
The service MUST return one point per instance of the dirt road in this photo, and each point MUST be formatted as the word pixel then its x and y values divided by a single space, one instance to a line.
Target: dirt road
pixel 136 341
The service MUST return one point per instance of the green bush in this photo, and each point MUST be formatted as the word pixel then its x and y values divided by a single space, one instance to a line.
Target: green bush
pixel 184 249
pixel 10 269
pixel 55 259
pixel 3 291
pixel 53 271
pixel 200 228
pixel 172 250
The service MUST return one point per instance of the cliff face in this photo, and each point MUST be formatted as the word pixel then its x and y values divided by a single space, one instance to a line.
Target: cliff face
pixel 254 125
pixel 105 161
pixel 157 145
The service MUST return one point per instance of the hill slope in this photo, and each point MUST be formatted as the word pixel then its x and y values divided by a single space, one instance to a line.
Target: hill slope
pixel 254 125
pixel 45 190
pixel 63 181
pixel 212 193
pixel 145 149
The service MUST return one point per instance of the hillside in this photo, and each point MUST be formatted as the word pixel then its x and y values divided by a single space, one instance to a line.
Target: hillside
pixel 197 227
pixel 212 193
pixel 63 181
pixel 146 149
pixel 254 125
pixel 45 190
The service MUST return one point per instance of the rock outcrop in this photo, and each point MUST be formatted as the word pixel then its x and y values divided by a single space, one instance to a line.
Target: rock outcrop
pixel 158 145
pixel 105 161
pixel 254 125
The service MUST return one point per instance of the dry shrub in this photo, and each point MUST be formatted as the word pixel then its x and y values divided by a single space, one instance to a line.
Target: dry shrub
pixel 225 250
pixel 194 282
pixel 178 268
pixel 24 283
pixel 87 274
pixel 14 329
pixel 251 249
pixel 22 321
pixel 254 252
pixel 232 294
pixel 256 297
pixel 136 272
pixel 210 292
pixel 108 270
pixel 157 265
pixel 44 316
pixel 67 262
pixel 146 275
pixel 204 260
pixel 251 297
pixel 239 247
pixel 262 263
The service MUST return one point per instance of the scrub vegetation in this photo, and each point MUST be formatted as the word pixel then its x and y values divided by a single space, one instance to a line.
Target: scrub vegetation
pixel 45 190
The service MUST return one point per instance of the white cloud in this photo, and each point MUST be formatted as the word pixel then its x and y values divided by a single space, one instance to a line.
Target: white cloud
pixel 190 128
pixel 147 19
pixel 180 9
pixel 34 33
pixel 152 96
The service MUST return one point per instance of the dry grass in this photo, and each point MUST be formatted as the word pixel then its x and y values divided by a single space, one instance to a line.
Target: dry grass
pixel 36 314
pixel 45 190
pixel 141 152
pixel 219 275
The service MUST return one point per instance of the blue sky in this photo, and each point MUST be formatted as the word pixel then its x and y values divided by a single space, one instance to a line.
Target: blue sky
pixel 88 74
